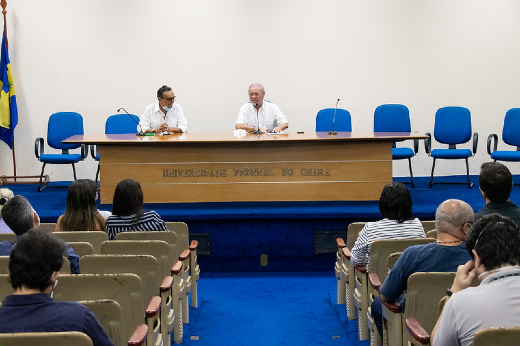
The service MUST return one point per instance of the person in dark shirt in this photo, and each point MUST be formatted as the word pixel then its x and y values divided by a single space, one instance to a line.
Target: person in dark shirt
pixel 34 265
pixel 496 183
pixel 20 217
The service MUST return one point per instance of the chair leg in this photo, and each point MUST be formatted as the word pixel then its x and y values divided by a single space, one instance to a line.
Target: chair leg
pixel 97 173
pixel 41 177
pixel 74 171
pixel 411 174
pixel 470 184
pixel 431 178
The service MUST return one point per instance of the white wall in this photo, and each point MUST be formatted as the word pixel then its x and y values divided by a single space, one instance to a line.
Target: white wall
pixel 96 56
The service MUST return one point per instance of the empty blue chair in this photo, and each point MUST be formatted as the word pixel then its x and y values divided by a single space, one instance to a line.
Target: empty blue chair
pixel 452 127
pixel 324 120
pixel 396 118
pixel 510 136
pixel 61 126
pixel 116 124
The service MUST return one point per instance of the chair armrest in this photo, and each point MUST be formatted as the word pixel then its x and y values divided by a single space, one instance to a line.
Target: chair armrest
pixel 166 284
pixel 184 255
pixel 492 139
pixel 393 307
pixel 346 253
pixel 428 143
pixel 475 142
pixel 193 245
pixel 374 281
pixel 139 336
pixel 417 331
pixel 340 242
pixel 94 151
pixel 177 267
pixel 38 147
pixel 153 307
pixel 84 151
pixel 415 145
pixel 361 268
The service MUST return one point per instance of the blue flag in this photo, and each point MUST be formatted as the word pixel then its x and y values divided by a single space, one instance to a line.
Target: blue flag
pixel 8 109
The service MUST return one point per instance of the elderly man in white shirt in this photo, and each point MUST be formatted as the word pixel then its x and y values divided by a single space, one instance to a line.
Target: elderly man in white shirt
pixel 163 116
pixel 270 117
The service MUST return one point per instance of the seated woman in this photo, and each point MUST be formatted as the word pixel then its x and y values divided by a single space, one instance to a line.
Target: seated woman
pixel 81 213
pixel 395 205
pixel 128 214
pixel 5 195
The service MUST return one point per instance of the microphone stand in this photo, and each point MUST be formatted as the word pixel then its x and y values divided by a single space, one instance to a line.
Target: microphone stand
pixel 258 131
pixel 140 133
pixel 332 132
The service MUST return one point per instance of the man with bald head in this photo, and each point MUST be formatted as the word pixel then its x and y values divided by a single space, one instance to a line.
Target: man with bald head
pixel 453 221
pixel 270 117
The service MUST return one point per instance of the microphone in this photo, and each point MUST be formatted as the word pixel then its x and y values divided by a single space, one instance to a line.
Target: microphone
pixel 140 133
pixel 258 131
pixel 332 132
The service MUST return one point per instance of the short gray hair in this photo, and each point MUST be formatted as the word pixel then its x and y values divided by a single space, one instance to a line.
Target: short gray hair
pixel 257 85
pixel 451 214
pixel 18 215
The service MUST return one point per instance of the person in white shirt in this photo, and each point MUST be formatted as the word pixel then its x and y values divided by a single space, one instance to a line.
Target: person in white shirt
pixel 163 116
pixel 270 117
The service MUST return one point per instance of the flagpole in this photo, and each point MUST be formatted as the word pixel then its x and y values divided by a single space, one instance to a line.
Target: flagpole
pixel 4 179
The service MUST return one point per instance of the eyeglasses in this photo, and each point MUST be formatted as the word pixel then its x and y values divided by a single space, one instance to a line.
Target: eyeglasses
pixel 169 99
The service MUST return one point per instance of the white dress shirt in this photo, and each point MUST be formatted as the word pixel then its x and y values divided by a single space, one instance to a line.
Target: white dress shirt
pixel 153 117
pixel 269 115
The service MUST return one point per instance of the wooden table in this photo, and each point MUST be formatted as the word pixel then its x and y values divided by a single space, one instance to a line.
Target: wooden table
pixel 218 167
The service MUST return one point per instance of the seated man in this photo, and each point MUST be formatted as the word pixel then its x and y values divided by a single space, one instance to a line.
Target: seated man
pixel 20 216
pixel 496 183
pixel 494 244
pixel 453 220
pixel 259 115
pixel 163 116
pixel 34 266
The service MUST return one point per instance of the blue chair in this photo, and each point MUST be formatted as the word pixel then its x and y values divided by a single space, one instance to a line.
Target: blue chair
pixel 116 124
pixel 452 127
pixel 324 120
pixel 396 118
pixel 61 126
pixel 510 136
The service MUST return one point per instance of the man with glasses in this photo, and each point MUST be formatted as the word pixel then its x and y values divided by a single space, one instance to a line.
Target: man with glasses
pixel 453 220
pixel 164 116
pixel 259 116
pixel 494 245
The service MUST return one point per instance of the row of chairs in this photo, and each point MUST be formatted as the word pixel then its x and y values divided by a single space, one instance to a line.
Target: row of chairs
pixel 156 277
pixel 357 287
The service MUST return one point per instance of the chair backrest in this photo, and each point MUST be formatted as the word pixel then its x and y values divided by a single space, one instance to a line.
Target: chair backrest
pixel 183 235
pixel 121 123
pixel 157 248
pixel 511 130
pixel 126 289
pixel 110 316
pixel 45 339
pixel 47 227
pixel 428 225
pixel 325 116
pixel 81 248
pixel 352 233
pixel 144 266
pixel 4 264
pixel 7 237
pixel 431 234
pixel 170 237
pixel 94 238
pixel 63 125
pixel 497 336
pixel 5 286
pixel 452 125
pixel 392 118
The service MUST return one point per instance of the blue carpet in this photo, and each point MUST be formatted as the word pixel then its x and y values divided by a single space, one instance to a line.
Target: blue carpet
pixel 267 309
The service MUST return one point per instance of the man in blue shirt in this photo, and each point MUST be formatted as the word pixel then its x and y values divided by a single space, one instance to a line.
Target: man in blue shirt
pixel 453 221
pixel 34 265
pixel 20 217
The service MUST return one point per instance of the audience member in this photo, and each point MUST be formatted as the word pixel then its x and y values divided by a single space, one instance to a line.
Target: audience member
pixel 494 245
pixel 5 195
pixel 128 214
pixel 20 216
pixel 395 205
pixel 81 213
pixel 164 116
pixel 453 220
pixel 496 183
pixel 34 266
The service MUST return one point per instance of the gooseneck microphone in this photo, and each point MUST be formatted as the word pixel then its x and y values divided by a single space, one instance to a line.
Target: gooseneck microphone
pixel 140 133
pixel 258 131
pixel 332 132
